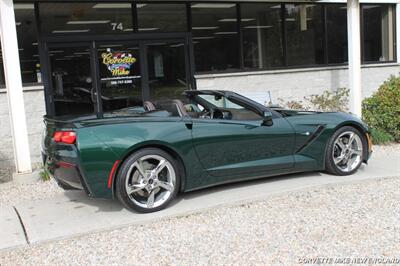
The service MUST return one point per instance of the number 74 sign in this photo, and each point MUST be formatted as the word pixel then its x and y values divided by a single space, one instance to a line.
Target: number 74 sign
pixel 117 26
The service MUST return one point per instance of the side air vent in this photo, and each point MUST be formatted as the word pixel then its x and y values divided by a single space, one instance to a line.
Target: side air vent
pixel 313 136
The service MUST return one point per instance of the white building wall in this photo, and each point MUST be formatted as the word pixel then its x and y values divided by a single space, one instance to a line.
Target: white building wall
pixel 35 109
pixel 6 150
pixel 295 84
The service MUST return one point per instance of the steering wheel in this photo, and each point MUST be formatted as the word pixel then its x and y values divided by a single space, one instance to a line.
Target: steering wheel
pixel 213 113
pixel 218 114
pixel 208 113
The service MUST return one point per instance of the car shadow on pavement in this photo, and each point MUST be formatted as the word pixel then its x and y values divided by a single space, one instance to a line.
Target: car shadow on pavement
pixel 247 183
pixel 80 198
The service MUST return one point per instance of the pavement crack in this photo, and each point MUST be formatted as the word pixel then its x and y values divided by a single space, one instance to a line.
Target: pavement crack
pixel 22 225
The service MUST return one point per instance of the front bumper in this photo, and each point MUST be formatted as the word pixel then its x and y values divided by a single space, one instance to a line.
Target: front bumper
pixel 369 148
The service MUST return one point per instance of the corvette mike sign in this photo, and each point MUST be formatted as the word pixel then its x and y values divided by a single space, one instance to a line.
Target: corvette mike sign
pixel 119 67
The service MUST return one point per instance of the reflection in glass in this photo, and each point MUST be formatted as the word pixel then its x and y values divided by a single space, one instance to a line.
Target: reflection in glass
pixel 27 43
pixel 162 17
pixel 378 32
pixel 336 19
pixel 166 70
pixel 120 77
pixel 262 36
pixel 304 29
pixel 71 80
pixel 215 36
pixel 86 18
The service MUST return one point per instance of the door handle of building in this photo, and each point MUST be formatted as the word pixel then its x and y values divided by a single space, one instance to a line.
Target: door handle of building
pixel 93 95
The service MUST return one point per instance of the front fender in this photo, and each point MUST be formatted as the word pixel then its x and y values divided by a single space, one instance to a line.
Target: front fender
pixel 313 132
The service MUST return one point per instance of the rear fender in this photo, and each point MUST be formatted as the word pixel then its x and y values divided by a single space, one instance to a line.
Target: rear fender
pixel 153 144
pixel 118 141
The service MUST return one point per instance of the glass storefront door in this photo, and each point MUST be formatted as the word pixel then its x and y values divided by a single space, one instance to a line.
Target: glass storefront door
pixel 120 75
pixel 71 79
pixel 166 68
pixel 104 76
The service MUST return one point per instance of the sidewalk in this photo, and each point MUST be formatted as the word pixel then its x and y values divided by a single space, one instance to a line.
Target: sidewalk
pixel 73 213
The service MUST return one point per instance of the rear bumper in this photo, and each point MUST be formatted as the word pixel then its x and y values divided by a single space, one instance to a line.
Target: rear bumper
pixel 67 174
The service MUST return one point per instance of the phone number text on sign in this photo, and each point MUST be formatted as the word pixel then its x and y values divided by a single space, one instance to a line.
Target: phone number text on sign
pixel 116 82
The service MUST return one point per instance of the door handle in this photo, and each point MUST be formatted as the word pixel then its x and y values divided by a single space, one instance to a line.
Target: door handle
pixel 189 124
pixel 250 126
pixel 93 95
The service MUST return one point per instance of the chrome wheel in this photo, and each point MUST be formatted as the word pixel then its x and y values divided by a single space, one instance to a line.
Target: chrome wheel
pixel 150 181
pixel 347 151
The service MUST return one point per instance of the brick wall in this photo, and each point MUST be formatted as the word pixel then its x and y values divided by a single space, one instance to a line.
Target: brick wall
pixel 295 84
pixel 34 109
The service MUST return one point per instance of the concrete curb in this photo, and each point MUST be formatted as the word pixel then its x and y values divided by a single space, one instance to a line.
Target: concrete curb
pixel 28 178
pixel 12 234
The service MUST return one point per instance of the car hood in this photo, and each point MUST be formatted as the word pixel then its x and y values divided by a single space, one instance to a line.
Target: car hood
pixel 326 119
pixel 290 112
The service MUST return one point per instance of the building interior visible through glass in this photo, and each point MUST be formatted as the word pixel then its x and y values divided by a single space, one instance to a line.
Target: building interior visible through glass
pixel 225 37
pixel 166 68
pixel 71 80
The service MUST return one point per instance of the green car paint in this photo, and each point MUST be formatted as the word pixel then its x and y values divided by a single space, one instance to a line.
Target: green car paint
pixel 211 151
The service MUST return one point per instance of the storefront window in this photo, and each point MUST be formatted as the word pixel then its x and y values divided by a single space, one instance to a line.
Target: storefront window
pixel 304 31
pixel 71 77
pixel 262 35
pixel 379 33
pixel 215 36
pixel 27 43
pixel 166 70
pixel 336 19
pixel 86 18
pixel 162 17
pixel 267 40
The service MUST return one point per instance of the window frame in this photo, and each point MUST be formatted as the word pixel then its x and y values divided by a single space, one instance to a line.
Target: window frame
pixel 286 66
pixel 395 55
pixel 240 55
pixel 239 35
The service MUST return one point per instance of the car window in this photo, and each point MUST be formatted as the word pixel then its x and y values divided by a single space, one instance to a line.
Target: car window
pixel 220 101
pixel 225 109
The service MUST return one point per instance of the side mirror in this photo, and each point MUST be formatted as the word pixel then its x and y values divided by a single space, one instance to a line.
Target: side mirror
pixel 267 119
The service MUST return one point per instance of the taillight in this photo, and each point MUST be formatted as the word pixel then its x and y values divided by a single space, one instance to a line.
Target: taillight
pixel 68 137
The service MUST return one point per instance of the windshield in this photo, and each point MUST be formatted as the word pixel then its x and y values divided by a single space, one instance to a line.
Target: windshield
pixel 219 101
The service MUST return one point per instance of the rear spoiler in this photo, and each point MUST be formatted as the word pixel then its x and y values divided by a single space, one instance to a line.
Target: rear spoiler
pixel 58 123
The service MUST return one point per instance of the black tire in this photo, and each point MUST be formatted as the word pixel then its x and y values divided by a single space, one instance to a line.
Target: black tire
pixel 330 165
pixel 121 190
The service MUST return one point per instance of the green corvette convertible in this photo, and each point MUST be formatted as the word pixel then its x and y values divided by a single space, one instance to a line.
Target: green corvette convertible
pixel 144 156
